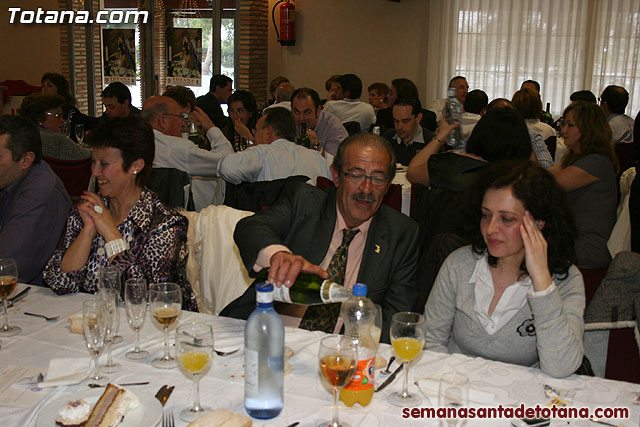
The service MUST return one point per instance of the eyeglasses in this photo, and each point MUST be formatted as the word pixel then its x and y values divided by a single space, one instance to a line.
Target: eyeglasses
pixel 359 178
pixel 54 115
pixel 183 116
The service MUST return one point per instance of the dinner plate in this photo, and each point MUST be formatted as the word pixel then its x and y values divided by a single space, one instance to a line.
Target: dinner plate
pixel 147 414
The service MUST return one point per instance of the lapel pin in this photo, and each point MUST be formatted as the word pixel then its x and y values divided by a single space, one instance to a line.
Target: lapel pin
pixel 377 249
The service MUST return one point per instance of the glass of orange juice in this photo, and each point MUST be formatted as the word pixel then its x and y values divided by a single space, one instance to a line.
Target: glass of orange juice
pixel 407 338
pixel 194 348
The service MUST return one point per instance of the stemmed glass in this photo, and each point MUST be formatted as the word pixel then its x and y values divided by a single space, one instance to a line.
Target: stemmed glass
pixel 194 348
pixel 94 324
pixel 376 328
pixel 338 359
pixel 79 133
pixel 453 392
pixel 110 279
pixel 110 299
pixel 407 339
pixel 8 281
pixel 135 301
pixel 165 301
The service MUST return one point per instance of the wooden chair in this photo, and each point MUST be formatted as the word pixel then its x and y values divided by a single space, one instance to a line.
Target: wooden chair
pixel 75 174
pixel 393 198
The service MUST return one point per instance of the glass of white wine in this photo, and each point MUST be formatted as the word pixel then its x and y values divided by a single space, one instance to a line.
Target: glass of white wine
pixel 407 338
pixel 8 281
pixel 109 277
pixel 110 299
pixel 194 348
pixel 135 301
pixel 165 303
pixel 94 325
pixel 338 359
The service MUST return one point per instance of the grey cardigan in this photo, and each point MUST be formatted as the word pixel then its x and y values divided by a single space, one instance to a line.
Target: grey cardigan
pixel 546 332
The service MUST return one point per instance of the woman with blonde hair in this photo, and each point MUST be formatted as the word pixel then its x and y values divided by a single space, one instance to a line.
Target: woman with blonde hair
pixel 587 172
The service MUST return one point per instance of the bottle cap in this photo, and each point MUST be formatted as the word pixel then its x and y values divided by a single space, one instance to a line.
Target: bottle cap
pixel 360 290
pixel 264 293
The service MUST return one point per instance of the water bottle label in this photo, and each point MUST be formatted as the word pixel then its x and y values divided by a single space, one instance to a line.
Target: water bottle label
pixel 363 378
pixel 251 361
pixel 281 294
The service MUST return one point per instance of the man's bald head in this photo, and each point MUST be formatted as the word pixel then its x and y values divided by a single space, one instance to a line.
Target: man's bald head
pixel 164 114
pixel 284 92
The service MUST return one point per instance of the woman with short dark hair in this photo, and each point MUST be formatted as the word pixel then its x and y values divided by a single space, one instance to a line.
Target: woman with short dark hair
pixel 244 116
pixel 514 295
pixel 126 225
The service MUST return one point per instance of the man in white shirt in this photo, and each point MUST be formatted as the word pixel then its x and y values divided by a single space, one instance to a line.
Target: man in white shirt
pixel 613 101
pixel 462 88
pixel 348 107
pixel 475 105
pixel 166 118
pixel 274 156
pixel 283 96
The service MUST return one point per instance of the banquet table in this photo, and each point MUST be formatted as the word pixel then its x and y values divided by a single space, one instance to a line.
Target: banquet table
pixel 306 399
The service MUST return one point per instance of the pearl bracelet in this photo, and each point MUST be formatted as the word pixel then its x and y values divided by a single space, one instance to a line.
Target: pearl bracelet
pixel 114 247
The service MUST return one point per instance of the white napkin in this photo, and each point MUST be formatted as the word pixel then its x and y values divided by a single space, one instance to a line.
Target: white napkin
pixel 67 371
pixel 430 387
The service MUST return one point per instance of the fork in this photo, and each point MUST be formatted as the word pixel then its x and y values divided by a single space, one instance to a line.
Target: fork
pixel 48 319
pixel 167 419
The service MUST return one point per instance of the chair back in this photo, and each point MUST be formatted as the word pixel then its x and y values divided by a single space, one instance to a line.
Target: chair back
pixel 352 127
pixel 393 198
pixel 626 160
pixel 551 143
pixel 257 196
pixel 74 174
pixel 171 185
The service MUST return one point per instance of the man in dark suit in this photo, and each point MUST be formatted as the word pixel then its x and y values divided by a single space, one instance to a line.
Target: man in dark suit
pixel 220 89
pixel 408 136
pixel 403 89
pixel 302 230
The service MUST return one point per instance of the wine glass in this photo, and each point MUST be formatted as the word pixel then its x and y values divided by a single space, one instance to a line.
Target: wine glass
pixel 453 393
pixel 8 281
pixel 338 359
pixel 165 301
pixel 376 328
pixel 94 325
pixel 110 299
pixel 135 300
pixel 407 339
pixel 79 133
pixel 194 348
pixel 110 279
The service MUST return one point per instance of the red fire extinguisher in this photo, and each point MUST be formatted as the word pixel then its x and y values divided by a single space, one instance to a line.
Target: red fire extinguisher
pixel 287 34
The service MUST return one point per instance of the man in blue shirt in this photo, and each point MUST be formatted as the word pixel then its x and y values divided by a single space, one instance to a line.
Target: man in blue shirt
pixel 34 205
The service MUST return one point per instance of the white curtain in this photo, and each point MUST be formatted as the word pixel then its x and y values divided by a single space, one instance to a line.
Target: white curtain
pixel 564 45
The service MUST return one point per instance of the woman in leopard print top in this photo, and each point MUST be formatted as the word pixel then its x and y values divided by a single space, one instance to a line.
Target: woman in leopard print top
pixel 149 240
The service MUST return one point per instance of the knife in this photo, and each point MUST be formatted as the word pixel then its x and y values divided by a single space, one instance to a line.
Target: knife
pixel 21 295
pixel 391 378
pixel 165 396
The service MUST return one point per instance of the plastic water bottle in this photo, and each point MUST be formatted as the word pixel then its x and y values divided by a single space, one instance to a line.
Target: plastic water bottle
pixel 358 314
pixel 452 113
pixel 264 357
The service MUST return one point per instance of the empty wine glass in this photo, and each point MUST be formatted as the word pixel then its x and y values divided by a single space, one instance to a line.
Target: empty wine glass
pixel 453 392
pixel 338 359
pixel 194 348
pixel 135 300
pixel 94 325
pixel 109 277
pixel 110 298
pixel 79 133
pixel 165 303
pixel 376 328
pixel 407 338
pixel 8 281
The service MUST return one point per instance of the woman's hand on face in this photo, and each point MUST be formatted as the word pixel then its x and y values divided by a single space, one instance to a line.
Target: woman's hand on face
pixel 242 129
pixel 103 222
pixel 535 253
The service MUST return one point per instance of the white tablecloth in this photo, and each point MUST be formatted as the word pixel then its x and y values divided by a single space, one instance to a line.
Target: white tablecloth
pixel 306 400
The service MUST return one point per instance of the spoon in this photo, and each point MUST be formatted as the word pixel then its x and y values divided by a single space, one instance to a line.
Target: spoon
pixel 48 319
pixel 94 385
pixel 387 371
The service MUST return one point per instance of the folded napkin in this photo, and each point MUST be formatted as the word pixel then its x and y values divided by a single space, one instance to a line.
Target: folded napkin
pixel 67 371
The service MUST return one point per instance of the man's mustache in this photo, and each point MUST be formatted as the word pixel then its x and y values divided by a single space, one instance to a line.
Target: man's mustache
pixel 364 197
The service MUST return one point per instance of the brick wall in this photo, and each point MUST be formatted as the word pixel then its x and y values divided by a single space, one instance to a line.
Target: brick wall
pixel 252 18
